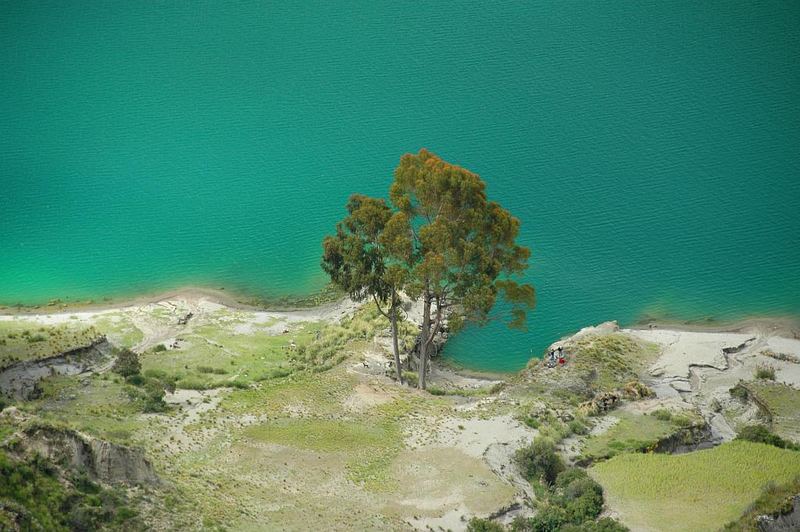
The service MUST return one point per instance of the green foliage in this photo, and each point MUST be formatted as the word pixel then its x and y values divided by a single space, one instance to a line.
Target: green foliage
pixel 160 348
pixel 411 377
pixel 22 340
pixel 765 371
pixel 127 362
pixel 477 524
pixel 609 361
pixel 576 426
pixel 780 402
pixel 702 490
pixel 606 524
pixel 761 434
pixel 209 369
pixel 663 414
pixel 739 392
pixel 539 461
pixel 775 499
pixel 34 497
pixel 149 392
pixel 572 502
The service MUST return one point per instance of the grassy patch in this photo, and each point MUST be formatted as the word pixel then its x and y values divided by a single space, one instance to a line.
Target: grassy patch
pixel 102 408
pixel 702 490
pixel 321 434
pixel 633 433
pixel 775 499
pixel 611 360
pixel 213 356
pixel 782 402
pixel 22 340
pixel 119 329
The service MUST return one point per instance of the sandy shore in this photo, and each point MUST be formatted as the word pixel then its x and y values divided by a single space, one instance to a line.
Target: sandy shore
pixel 231 299
pixel 786 326
pixel 190 295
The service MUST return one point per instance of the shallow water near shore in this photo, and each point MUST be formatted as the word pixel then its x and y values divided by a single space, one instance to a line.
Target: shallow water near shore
pixel 649 149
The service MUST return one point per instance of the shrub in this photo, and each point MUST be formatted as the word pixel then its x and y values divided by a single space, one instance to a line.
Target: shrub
pixel 135 379
pixel 155 373
pixel 37 338
pixel 539 461
pixel 127 362
pixel 765 371
pixel 208 369
pixel 606 524
pixel 584 500
pixel 160 348
pixel 549 519
pixel 568 476
pixel 576 426
pixel 761 434
pixel 663 414
pixel 532 422
pixel 739 392
pixel 411 378
pixel 476 524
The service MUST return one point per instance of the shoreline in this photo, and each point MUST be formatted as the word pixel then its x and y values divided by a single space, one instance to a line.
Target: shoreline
pixel 787 326
pixel 326 306
pixel 221 296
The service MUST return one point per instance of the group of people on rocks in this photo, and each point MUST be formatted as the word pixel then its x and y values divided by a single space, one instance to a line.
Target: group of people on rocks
pixel 556 356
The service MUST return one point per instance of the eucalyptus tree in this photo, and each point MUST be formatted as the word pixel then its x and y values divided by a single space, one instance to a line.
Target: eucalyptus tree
pixel 457 248
pixel 357 261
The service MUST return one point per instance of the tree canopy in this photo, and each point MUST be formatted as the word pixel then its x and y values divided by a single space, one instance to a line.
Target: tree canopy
pixel 440 240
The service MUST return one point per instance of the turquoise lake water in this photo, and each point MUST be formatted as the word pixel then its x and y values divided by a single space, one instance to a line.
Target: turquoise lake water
pixel 651 149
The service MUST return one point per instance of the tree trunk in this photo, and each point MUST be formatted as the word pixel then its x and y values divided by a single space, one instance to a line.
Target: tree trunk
pixel 395 348
pixel 423 346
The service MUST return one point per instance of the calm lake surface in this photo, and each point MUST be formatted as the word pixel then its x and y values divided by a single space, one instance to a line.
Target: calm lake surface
pixel 651 149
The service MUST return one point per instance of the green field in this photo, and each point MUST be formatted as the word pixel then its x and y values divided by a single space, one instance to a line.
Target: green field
pixel 27 340
pixel 697 491
pixel 632 433
pixel 783 403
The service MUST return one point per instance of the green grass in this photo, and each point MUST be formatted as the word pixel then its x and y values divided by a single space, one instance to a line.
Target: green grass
pixel 612 359
pixel 22 340
pixel 119 329
pixel 322 435
pixel 782 401
pixel 103 408
pixel 35 495
pixel 212 357
pixel 633 433
pixel 775 499
pixel 698 491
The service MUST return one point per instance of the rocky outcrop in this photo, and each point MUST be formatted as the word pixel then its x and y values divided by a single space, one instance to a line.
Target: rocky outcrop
pixel 601 404
pixel 21 380
pixel 693 438
pixel 786 522
pixel 101 460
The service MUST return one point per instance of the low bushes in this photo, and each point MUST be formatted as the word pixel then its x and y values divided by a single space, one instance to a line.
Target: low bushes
pixel 539 462
pixel 127 362
pixel 765 371
pixel 33 496
pixel 761 434
pixel 572 502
